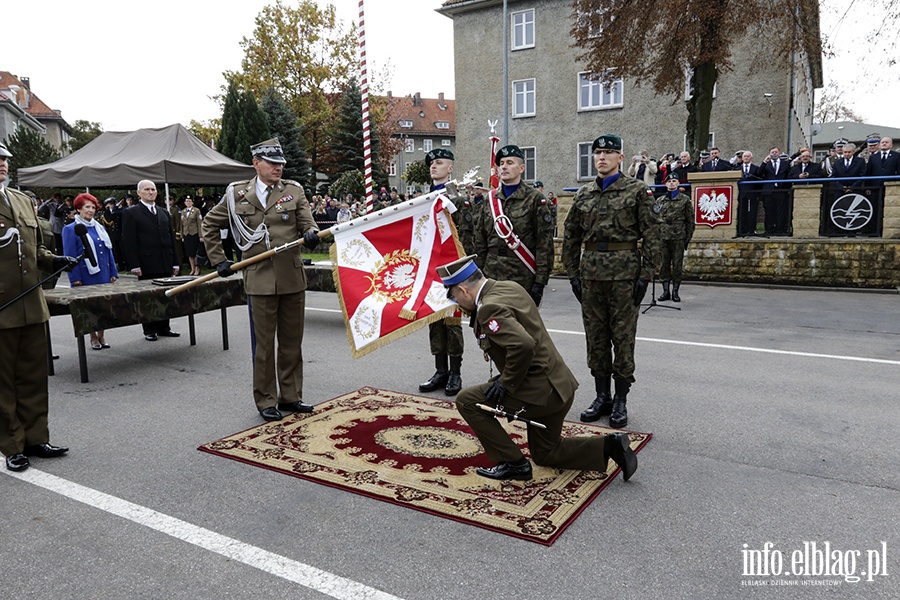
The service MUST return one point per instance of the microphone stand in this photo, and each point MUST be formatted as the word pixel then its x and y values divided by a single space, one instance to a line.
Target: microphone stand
pixel 39 283
pixel 653 299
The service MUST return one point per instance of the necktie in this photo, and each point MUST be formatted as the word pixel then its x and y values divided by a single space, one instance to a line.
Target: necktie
pixel 746 170
pixel 884 156
pixel 803 168
pixel 776 166
pixel 715 162
pixel 153 209
pixel 847 162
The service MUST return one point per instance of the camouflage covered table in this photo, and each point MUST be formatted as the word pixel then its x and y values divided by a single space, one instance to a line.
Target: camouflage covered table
pixel 129 301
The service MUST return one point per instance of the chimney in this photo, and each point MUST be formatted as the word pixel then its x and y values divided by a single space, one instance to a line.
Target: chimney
pixel 417 99
pixel 389 95
pixel 26 81
pixel 441 97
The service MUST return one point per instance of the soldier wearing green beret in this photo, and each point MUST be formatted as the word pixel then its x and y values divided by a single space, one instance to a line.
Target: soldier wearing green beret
pixel 609 272
pixel 445 336
pixel 676 213
pixel 514 229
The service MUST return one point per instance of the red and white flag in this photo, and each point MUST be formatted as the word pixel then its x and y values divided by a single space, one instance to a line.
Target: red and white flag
pixel 384 271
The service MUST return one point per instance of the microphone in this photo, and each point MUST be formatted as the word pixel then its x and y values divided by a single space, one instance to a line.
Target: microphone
pixel 81 232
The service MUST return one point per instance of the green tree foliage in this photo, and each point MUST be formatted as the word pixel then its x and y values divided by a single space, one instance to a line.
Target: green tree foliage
pixel 28 149
pixel 253 127
pixel 417 172
pixel 206 131
pixel 304 53
pixel 231 118
pixel 283 125
pixel 84 132
pixel 349 182
pixel 666 42
pixel 347 145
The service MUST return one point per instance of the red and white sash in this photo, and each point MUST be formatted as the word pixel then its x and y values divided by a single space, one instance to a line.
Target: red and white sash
pixel 504 228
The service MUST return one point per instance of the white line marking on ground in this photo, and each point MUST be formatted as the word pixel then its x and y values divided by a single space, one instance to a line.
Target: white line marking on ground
pixel 269 562
pixel 751 349
pixel 331 310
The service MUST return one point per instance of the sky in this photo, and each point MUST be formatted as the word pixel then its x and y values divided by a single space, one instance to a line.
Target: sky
pixel 129 67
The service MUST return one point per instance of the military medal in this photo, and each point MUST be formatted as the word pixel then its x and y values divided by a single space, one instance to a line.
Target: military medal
pixel 284 217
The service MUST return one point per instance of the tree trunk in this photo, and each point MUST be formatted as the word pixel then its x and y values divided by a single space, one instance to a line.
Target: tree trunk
pixel 699 107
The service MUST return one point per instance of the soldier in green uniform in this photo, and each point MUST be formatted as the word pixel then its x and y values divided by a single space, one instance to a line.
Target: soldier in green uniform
pixel 23 339
pixel 267 212
pixel 533 378
pixel 445 336
pixel 467 211
pixel 607 219
pixel 525 211
pixel 676 212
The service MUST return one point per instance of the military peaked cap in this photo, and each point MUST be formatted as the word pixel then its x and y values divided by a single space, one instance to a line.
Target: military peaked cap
pixel 269 150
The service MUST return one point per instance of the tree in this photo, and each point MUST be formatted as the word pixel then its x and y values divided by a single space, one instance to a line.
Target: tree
pixel 347 145
pixel 304 53
pixel 231 118
pixel 206 131
pixel 83 133
pixel 665 43
pixel 253 127
pixel 349 182
pixel 831 108
pixel 417 172
pixel 29 149
pixel 283 125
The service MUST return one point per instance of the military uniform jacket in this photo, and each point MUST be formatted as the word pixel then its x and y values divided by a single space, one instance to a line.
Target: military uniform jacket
pixel 287 217
pixel 509 328
pixel 16 277
pixel 531 220
pixel 676 217
pixel 190 221
pixel 624 212
pixel 464 218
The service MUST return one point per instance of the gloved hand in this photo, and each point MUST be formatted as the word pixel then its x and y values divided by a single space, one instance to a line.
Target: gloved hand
pixel 66 262
pixel 224 268
pixel 640 289
pixel 576 287
pixel 496 393
pixel 311 239
pixel 537 293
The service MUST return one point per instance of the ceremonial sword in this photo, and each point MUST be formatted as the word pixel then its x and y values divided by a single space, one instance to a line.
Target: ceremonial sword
pixel 511 416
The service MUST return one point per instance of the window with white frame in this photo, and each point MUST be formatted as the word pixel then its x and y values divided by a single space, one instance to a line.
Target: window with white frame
pixel 445 142
pixel 410 145
pixel 392 169
pixel 523 98
pixel 593 94
pixel 406 124
pixel 426 145
pixel 442 124
pixel 586 168
pixel 522 29
pixel 530 173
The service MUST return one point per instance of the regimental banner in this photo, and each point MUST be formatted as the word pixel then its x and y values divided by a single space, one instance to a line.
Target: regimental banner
pixel 384 272
pixel 712 205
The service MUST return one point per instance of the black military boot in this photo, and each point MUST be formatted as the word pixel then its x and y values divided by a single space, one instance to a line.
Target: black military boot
pixel 665 295
pixel 454 381
pixel 675 296
pixel 602 404
pixel 439 379
pixel 619 416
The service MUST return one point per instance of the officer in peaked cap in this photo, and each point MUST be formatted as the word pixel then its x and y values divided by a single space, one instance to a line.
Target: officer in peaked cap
pixel 445 336
pixel 609 272
pixel 267 212
pixel 536 383
pixel 523 209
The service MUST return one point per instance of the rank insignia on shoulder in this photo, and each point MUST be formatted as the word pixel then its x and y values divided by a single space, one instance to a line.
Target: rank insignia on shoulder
pixel 493 325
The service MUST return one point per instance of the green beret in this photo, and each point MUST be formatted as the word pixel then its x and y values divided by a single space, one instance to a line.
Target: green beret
pixel 607 141
pixel 437 153
pixel 507 151
pixel 673 176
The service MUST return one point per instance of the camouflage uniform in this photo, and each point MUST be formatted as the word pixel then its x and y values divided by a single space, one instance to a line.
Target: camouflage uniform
pixel 676 229
pixel 619 216
pixel 529 213
pixel 465 217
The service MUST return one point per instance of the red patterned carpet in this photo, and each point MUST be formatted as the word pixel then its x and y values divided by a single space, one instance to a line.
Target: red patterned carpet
pixel 419 453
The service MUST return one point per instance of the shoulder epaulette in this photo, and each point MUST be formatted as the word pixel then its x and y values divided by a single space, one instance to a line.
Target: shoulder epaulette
pixel 290 182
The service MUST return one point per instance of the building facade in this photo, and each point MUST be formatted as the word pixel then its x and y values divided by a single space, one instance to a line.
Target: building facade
pixel 19 106
pixel 422 124
pixel 555 110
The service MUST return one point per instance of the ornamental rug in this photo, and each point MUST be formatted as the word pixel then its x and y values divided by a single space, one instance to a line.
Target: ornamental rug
pixel 419 453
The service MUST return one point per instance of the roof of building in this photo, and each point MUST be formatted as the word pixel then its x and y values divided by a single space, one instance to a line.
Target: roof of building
pixel 25 98
pixel 424 114
pixel 850 131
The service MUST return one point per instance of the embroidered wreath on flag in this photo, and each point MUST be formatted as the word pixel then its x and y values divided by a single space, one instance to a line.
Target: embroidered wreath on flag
pixel 394 276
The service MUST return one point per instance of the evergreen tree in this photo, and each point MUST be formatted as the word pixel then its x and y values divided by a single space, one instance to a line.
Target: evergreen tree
pixel 28 149
pixel 231 119
pixel 347 146
pixel 252 128
pixel 83 133
pixel 284 126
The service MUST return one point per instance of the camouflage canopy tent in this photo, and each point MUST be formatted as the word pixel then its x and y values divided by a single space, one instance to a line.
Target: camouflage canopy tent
pixel 122 158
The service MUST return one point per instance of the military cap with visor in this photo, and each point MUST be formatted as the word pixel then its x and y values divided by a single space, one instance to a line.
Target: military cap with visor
pixel 269 150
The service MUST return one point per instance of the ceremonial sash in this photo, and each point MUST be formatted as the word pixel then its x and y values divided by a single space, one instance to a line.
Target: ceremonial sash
pixel 504 228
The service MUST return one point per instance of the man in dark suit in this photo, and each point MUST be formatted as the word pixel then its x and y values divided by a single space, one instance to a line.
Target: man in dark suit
pixel 775 195
pixel 848 167
pixel 533 379
pixel 715 162
pixel 805 169
pixel 885 162
pixel 148 243
pixel 748 195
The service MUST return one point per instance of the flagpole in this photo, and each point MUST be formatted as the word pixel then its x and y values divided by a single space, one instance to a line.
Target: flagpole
pixel 364 90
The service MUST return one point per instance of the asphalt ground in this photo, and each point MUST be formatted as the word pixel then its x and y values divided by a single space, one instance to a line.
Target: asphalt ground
pixel 774 413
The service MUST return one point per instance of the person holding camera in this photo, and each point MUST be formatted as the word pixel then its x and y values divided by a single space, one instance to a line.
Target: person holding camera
pixel 643 168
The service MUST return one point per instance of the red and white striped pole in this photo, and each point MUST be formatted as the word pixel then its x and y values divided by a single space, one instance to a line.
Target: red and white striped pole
pixel 364 91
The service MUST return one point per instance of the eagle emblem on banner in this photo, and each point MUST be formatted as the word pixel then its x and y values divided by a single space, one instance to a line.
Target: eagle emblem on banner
pixel 713 206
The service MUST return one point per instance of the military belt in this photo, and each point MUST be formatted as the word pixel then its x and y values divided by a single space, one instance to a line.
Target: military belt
pixel 610 246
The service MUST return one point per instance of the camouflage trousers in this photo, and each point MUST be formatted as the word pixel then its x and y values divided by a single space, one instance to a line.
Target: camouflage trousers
pixel 672 260
pixel 610 325
pixel 445 339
